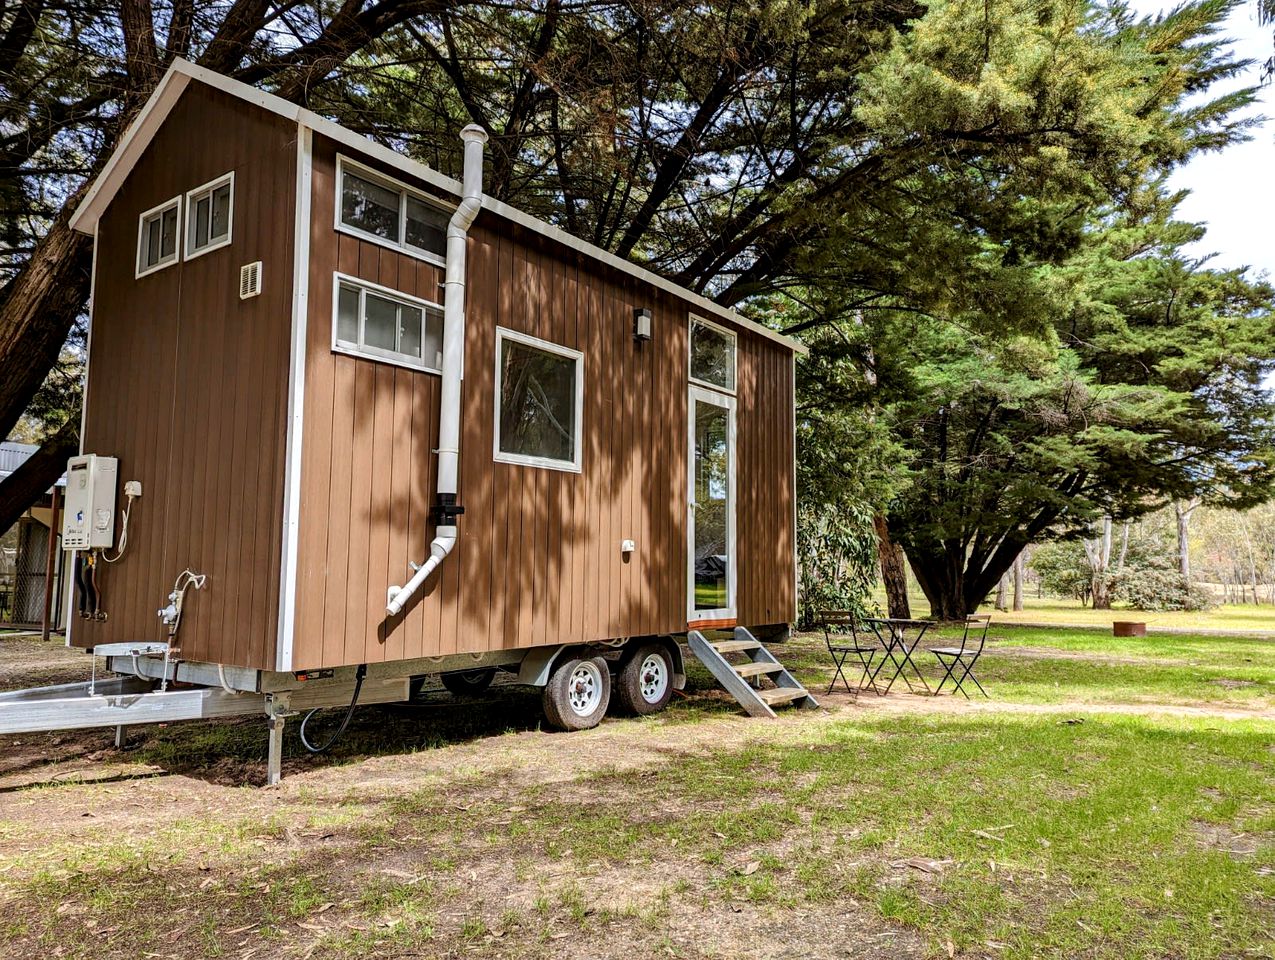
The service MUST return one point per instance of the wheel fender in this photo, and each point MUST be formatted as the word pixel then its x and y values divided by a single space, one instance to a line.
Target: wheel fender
pixel 674 651
pixel 538 664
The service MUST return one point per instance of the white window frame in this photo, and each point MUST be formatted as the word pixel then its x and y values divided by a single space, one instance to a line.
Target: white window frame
pixel 344 163
pixel 734 354
pixel 719 398
pixel 522 459
pixel 189 226
pixel 376 353
pixel 140 270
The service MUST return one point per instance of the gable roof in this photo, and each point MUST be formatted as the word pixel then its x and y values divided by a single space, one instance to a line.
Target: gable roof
pixel 142 130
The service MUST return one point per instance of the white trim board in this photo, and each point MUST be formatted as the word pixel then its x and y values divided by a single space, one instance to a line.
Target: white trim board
pixel 284 640
pixel 181 72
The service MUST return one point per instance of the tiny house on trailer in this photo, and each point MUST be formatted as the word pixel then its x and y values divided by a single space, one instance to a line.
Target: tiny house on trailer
pixel 349 421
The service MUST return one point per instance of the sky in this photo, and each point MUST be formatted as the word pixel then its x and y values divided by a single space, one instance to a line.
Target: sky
pixel 1233 191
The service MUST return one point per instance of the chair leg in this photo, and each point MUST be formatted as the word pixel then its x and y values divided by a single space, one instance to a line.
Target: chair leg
pixel 969 672
pixel 840 662
pixel 865 675
pixel 947 666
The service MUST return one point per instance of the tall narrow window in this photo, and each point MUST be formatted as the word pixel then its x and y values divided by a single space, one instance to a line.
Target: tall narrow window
pixel 209 214
pixel 712 355
pixel 157 236
pixel 539 402
pixel 381 209
pixel 375 322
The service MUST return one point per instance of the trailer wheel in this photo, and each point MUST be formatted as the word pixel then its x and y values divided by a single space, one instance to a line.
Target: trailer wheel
pixel 578 693
pixel 645 682
pixel 468 683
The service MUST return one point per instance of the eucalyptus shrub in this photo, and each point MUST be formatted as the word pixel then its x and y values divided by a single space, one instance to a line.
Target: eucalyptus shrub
pixel 837 560
pixel 1159 586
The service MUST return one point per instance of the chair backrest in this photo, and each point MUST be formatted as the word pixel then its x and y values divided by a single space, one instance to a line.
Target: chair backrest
pixel 837 621
pixel 975 621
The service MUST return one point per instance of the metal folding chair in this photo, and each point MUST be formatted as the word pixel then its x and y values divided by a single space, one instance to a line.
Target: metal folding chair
pixel 964 657
pixel 835 621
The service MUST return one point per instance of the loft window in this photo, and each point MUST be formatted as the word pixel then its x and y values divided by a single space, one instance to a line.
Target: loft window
pixel 157 236
pixel 209 214
pixel 376 322
pixel 384 210
pixel 712 355
pixel 539 402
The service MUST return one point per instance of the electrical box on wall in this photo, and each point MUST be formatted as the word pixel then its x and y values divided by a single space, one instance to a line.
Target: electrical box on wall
pixel 89 520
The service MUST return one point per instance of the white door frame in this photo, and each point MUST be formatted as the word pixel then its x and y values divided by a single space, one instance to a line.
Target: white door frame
pixel 727 402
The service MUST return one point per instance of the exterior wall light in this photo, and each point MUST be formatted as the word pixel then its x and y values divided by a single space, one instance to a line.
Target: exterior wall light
pixel 641 324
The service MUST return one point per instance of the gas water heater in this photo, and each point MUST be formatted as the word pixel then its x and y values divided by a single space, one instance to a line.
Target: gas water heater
pixel 89 520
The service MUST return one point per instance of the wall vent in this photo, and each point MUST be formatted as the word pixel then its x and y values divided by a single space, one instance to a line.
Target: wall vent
pixel 250 280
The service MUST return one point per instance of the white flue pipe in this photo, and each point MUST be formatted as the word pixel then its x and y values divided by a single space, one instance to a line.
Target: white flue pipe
pixel 453 366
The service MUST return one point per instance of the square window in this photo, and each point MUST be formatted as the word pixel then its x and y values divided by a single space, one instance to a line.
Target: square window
pixel 426 227
pixel 539 390
pixel 157 236
pixel 384 325
pixel 209 212
pixel 712 355
pixel 369 207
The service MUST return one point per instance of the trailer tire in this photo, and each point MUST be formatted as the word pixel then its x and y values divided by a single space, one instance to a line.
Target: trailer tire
pixel 645 682
pixel 578 693
pixel 468 683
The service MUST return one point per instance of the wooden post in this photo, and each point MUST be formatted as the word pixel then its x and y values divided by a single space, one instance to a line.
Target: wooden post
pixel 50 565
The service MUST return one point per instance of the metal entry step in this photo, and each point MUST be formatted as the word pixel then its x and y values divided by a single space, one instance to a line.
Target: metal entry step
pixel 761 663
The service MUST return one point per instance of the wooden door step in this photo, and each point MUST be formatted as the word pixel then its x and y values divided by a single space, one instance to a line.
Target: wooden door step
pixel 734 646
pixel 757 668
pixel 776 695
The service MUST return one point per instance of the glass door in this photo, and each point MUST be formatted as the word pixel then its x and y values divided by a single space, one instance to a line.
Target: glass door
pixel 711 542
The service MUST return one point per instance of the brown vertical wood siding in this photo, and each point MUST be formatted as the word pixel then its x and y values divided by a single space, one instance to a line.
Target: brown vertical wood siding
pixel 538 560
pixel 188 387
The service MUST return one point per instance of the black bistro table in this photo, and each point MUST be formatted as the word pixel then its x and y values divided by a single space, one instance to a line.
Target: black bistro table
pixel 898 638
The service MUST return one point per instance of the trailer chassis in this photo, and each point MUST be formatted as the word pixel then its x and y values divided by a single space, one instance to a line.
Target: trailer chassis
pixel 149 687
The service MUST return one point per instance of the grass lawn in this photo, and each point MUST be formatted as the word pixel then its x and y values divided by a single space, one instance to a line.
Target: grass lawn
pixel 1115 800
pixel 1245 618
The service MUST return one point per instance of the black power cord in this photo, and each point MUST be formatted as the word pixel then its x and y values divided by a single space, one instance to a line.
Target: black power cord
pixel 345 722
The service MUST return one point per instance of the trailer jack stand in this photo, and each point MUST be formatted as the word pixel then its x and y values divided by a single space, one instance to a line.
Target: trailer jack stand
pixel 277 714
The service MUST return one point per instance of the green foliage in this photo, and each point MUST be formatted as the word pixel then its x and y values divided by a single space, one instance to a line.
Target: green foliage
pixel 1064 569
pixel 1046 353
pixel 836 559
pixel 1146 580
pixel 1156 585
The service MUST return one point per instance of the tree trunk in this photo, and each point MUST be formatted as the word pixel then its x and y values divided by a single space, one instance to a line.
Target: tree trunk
pixel 29 482
pixel 1182 511
pixel 37 308
pixel 1098 552
pixel 1020 564
pixel 893 573
pixel 1002 593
